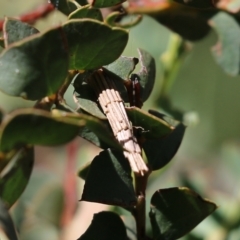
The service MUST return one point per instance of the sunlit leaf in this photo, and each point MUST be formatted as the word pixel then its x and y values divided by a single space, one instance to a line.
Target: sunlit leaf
pixel 92 43
pixel 109 180
pixel 87 12
pixel 6 222
pixel 32 126
pixel 105 226
pixel 151 126
pixel 34 67
pixel 176 211
pixel 15 30
pixel 147 73
pixel 106 3
pixel 14 181
pixel 226 49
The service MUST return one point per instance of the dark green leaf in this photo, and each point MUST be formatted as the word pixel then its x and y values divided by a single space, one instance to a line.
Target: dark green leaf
pixel 123 67
pixel 198 3
pixel 95 139
pixel 109 180
pixel 151 126
pixel 92 43
pixel 64 6
pixel 105 226
pixel 6 222
pixel 176 211
pixel 106 3
pixel 14 181
pixel 124 22
pixel 32 126
pixel 226 51
pixel 15 30
pixel 83 171
pixel 35 67
pixel 160 151
pixel 86 97
pixel 147 73
pixel 87 12
pixel 189 23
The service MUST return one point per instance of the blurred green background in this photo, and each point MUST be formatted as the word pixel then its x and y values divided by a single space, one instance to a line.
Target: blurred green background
pixel 208 159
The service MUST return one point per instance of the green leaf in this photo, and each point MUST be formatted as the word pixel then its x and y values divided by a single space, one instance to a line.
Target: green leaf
pixel 151 126
pixel 15 30
pixel 198 3
pixel 125 21
pixel 226 49
pixel 189 23
pixel 15 180
pixel 34 67
pixel 106 3
pixel 147 73
pixel 109 180
pixel 105 226
pixel 83 171
pixel 95 139
pixel 160 151
pixel 86 97
pixel 92 43
pixel 64 6
pixel 176 211
pixel 87 12
pixel 32 126
pixel 6 222
pixel 123 67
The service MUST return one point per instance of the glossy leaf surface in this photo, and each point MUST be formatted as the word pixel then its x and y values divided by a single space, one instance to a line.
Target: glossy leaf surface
pixel 109 180
pixel 7 223
pixel 224 51
pixel 13 183
pixel 15 30
pixel 176 211
pixel 105 226
pixel 92 43
pixel 34 67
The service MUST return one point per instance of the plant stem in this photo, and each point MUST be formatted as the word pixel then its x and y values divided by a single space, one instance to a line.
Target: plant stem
pixel 139 212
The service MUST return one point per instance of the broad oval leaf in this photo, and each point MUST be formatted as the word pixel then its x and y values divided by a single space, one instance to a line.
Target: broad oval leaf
pixel 106 3
pixel 147 73
pixel 15 180
pixel 32 126
pixel 34 67
pixel 109 180
pixel 86 12
pixel 93 44
pixel 160 151
pixel 123 66
pixel 105 226
pixel 176 211
pixel 226 49
pixel 64 6
pixel 6 222
pixel 150 125
pixel 15 30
